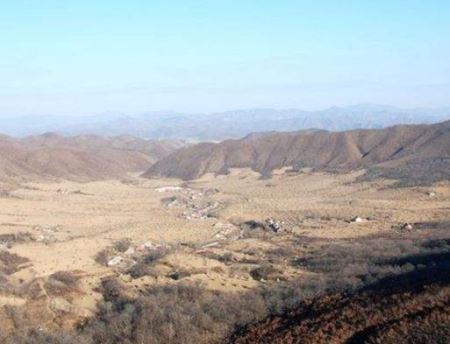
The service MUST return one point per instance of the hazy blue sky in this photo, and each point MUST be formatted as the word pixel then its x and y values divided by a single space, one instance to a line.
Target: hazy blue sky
pixel 91 56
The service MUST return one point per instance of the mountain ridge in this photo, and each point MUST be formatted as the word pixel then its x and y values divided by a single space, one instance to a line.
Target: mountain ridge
pixel 223 125
pixel 85 157
pixel 321 150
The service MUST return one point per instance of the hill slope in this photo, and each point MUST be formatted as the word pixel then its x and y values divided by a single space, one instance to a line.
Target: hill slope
pixel 408 308
pixel 80 157
pixel 385 149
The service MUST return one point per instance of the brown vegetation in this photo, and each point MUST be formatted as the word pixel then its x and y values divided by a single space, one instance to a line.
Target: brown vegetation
pixel 11 262
pixel 413 307
pixel 384 288
pixel 85 157
pixel 144 266
pixel 184 280
pixel 382 150
pixel 62 282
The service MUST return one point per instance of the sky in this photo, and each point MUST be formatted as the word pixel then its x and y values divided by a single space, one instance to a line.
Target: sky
pixel 87 57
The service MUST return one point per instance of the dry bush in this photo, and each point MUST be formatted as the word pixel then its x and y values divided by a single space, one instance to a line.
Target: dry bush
pixel 424 172
pixel 3 281
pixel 253 225
pixel 39 336
pixel 11 262
pixel 144 266
pixel 281 252
pixel 66 277
pixel 10 239
pixel 192 245
pixel 62 282
pixel 256 229
pixel 413 305
pixel 184 272
pixel 187 313
pixel 155 255
pixel 179 313
pixel 32 290
pixel 179 274
pixel 141 269
pixel 265 272
pixel 102 257
pixel 226 257
pixel 217 269
pixel 112 291
pixel 246 260
pixel 364 261
pixel 122 245
pixel 168 200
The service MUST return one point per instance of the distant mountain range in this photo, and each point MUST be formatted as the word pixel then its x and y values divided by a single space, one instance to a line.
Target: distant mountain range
pixel 224 125
pixel 414 154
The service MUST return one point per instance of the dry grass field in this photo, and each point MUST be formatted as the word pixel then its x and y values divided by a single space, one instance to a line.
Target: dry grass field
pixel 231 233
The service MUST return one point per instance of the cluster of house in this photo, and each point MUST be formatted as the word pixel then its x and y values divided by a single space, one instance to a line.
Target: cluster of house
pixel 196 203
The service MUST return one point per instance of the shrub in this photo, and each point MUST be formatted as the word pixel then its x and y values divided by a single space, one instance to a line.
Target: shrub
pixel 186 313
pixel 144 267
pixel 181 313
pixel 66 277
pixel 264 272
pixel 11 238
pixel 180 274
pixel 102 257
pixel 11 262
pixel 122 245
pixel 39 336
pixel 61 282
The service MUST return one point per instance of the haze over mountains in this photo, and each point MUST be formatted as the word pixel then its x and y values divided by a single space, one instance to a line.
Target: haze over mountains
pixel 112 145
pixel 220 126
pixel 419 152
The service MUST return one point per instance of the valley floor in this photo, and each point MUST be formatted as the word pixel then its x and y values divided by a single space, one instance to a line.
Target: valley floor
pixel 222 232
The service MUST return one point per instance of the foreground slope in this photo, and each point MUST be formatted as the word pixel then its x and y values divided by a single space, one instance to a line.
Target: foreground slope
pixel 81 157
pixel 409 308
pixel 388 148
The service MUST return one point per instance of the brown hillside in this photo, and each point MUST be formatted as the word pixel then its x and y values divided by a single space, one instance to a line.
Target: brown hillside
pixel 321 150
pixel 82 157
pixel 408 308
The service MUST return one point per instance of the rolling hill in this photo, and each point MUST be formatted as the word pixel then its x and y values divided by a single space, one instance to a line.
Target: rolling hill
pixel 81 157
pixel 385 152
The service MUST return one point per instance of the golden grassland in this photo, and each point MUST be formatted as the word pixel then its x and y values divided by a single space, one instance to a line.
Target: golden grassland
pixel 66 224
